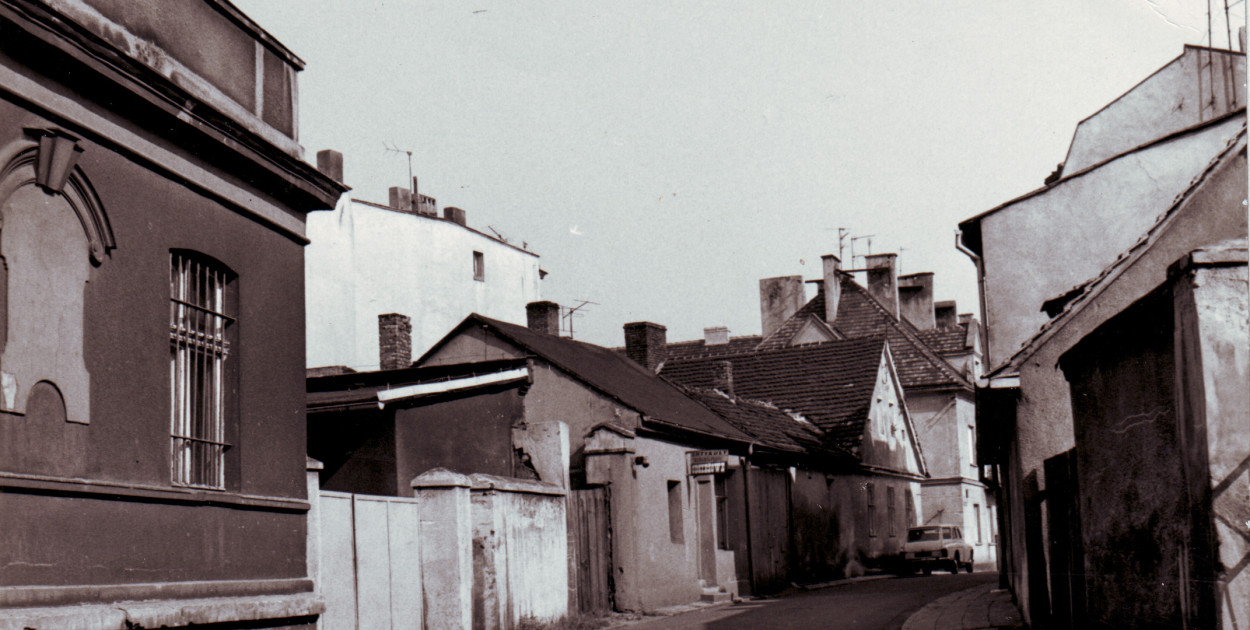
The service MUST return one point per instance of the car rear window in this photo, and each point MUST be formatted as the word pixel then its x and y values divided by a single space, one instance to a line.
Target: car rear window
pixel 922 534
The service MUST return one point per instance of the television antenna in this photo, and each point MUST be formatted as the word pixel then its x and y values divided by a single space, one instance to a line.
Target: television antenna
pixel 573 312
pixel 392 148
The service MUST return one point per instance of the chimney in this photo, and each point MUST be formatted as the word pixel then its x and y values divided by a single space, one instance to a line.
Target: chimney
pixel 944 314
pixel 400 198
pixel 780 298
pixel 330 163
pixel 723 377
pixel 831 285
pixel 715 336
pixel 543 317
pixel 394 341
pixel 883 280
pixel 455 215
pixel 915 296
pixel 647 344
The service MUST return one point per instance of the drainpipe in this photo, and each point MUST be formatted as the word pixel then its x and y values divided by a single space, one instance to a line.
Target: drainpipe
pixel 985 313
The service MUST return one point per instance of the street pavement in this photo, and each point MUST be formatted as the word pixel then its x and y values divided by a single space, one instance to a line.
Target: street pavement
pixel 939 602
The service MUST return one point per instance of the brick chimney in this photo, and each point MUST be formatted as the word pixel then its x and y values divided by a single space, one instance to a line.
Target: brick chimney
pixel 715 336
pixel 400 198
pixel 944 314
pixel 831 285
pixel 647 344
pixel 543 317
pixel 780 298
pixel 915 296
pixel 723 377
pixel 394 341
pixel 455 215
pixel 330 163
pixel 883 280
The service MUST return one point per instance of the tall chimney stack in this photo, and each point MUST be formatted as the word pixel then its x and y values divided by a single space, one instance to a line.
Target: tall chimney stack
pixel 944 314
pixel 400 198
pixel 831 285
pixel 915 296
pixel 647 344
pixel 780 298
pixel 715 336
pixel 723 377
pixel 543 317
pixel 883 280
pixel 394 341
pixel 330 163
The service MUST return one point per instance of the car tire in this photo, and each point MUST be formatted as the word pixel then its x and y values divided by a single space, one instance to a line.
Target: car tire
pixel 927 571
pixel 968 567
pixel 954 565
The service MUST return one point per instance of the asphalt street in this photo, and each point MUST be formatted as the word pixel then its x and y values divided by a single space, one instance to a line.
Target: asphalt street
pixel 883 604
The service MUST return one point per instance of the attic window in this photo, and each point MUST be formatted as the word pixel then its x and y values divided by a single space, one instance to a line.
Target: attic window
pixel 479 267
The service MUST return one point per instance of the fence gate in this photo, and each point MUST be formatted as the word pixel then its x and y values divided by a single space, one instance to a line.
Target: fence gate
pixel 370 562
pixel 590 550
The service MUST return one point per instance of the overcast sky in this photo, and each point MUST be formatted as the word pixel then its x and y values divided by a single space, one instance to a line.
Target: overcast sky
pixel 662 157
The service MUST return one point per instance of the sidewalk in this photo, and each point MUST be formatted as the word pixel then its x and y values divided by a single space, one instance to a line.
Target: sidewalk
pixel 976 608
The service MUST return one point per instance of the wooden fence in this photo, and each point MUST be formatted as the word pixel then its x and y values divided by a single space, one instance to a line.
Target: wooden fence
pixel 590 550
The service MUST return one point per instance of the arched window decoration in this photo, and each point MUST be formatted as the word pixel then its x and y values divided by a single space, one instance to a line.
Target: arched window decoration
pixel 49 214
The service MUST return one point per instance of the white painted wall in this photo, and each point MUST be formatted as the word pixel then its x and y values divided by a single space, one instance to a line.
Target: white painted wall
pixel 365 260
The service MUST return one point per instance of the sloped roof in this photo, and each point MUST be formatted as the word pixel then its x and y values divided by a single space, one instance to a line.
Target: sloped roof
pixel 861 315
pixel 612 374
pixel 699 348
pixel 1084 293
pixel 947 340
pixel 770 426
pixel 830 383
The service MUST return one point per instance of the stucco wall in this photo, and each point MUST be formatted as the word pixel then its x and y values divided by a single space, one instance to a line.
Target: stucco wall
pixel 1042 246
pixel 668 571
pixel 889 438
pixel 365 261
pixel 465 435
pixel 1179 95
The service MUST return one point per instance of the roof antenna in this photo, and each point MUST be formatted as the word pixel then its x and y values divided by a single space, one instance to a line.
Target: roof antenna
pixel 573 312
pixel 391 148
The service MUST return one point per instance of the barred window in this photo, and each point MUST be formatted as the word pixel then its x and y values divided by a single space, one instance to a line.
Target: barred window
pixel 872 511
pixel 891 514
pixel 198 349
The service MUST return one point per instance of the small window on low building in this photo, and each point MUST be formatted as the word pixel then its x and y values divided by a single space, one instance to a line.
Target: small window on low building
pixel 909 510
pixel 872 511
pixel 675 532
pixel 479 266
pixel 891 513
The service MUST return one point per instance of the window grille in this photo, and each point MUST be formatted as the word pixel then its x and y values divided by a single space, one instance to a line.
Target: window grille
pixel 872 512
pixel 198 348
pixel 891 514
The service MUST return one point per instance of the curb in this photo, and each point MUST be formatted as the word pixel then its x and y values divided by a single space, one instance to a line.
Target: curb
pixel 863 578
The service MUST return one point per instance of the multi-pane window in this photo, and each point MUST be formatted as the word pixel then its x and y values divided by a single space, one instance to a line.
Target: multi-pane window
pixel 872 511
pixel 198 350
pixel 908 508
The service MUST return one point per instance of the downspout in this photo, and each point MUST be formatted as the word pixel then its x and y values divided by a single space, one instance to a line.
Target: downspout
pixel 985 312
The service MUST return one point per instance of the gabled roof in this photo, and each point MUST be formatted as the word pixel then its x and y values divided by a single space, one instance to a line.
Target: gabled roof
pixel 1082 295
pixel 861 315
pixel 610 373
pixel 947 340
pixel 831 383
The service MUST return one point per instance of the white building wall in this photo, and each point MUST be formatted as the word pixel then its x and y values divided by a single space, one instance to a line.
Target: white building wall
pixel 365 260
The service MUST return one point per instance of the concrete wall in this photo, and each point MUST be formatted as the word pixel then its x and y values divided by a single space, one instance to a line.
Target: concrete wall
pixel 872 544
pixel 471 434
pixel 365 260
pixel 1179 95
pixel 1042 246
pixel 667 571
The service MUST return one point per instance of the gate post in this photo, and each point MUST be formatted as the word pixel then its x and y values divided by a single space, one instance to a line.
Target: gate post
pixel 446 549
pixel 312 548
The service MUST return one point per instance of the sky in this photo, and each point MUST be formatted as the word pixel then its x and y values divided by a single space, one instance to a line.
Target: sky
pixel 662 157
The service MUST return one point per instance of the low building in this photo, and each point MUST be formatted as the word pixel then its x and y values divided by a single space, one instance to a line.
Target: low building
pixel 153 197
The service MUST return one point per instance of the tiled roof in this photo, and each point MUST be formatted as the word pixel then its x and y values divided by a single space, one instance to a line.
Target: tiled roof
pixel 946 341
pixel 615 375
pixel 1083 293
pixel 830 383
pixel 861 315
pixel 699 348
pixel 770 426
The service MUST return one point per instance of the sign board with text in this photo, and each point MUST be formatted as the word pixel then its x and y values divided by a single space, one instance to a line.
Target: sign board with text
pixel 708 462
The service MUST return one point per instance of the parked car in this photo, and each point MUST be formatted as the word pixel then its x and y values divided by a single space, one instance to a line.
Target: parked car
pixel 940 546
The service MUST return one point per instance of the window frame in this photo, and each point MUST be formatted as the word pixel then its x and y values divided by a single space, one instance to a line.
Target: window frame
pixel 203 307
pixel 676 519
pixel 720 492
pixel 872 509
pixel 479 266
pixel 891 511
